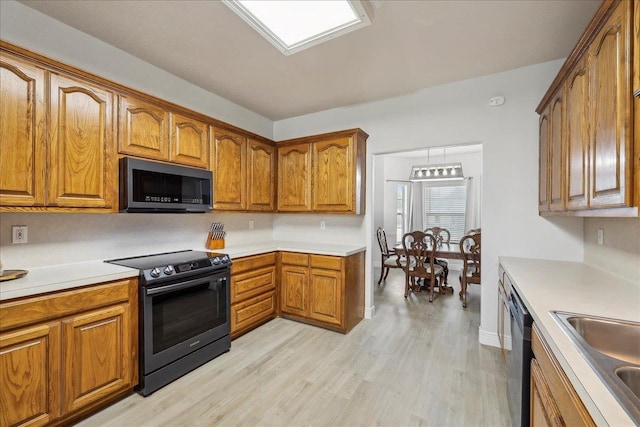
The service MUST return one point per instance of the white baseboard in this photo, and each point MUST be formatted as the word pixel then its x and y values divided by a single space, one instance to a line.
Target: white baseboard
pixel 369 312
pixel 491 338
pixel 488 338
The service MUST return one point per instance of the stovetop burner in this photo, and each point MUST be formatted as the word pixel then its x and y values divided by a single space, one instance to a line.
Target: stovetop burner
pixel 174 264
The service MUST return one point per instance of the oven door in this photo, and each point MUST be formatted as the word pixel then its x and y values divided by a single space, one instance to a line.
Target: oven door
pixel 181 317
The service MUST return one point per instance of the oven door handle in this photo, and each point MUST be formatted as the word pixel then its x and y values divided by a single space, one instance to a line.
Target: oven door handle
pixel 177 286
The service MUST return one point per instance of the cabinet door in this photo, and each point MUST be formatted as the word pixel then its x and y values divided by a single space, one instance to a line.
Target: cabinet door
pixel 261 170
pixel 294 285
pixel 189 141
pixel 96 355
pixel 294 178
pixel 636 55
pixel 610 151
pixel 82 158
pixel 556 152
pixel 22 133
pixel 29 374
pixel 325 296
pixel 543 170
pixel 142 129
pixel 333 175
pixel 229 170
pixel 544 412
pixel 577 137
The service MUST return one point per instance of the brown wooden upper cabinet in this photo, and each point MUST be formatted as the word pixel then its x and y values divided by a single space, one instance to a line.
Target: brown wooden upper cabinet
pixel 150 131
pixel 261 176
pixel 82 162
pixel 23 133
pixel 58 151
pixel 323 173
pixel 592 165
pixel 244 172
pixel 189 141
pixel 143 129
pixel 229 170
pixel 294 178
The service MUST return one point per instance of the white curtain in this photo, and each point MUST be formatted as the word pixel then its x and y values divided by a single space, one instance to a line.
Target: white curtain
pixel 472 219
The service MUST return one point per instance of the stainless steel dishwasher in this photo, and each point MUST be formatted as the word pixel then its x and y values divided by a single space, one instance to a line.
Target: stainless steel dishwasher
pixel 519 361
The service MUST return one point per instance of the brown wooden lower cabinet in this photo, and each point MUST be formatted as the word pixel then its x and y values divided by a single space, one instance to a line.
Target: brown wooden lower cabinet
pixel 65 354
pixel 253 292
pixel 326 291
pixel 554 401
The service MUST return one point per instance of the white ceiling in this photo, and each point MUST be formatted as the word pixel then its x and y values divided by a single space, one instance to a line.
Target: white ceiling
pixel 411 45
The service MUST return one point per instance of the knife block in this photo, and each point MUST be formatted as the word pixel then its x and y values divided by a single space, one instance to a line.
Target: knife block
pixel 214 243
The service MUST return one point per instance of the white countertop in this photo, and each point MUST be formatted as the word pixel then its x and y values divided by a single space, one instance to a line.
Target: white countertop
pixel 67 276
pixel 575 287
pixel 60 277
pixel 237 251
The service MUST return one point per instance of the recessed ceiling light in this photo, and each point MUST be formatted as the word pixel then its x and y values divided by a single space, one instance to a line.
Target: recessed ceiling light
pixel 294 25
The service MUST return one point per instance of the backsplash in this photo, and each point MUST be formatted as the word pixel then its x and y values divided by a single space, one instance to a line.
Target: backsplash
pixel 64 238
pixel 620 251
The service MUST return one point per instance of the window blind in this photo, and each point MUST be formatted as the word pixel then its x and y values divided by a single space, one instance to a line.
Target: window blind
pixel 446 207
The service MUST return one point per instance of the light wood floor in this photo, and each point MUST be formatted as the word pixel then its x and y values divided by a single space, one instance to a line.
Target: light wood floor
pixel 414 363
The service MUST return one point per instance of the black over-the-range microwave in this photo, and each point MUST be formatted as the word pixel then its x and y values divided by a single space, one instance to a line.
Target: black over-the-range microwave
pixel 147 186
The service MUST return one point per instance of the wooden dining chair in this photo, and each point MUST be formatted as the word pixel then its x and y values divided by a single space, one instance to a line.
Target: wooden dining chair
pixel 443 236
pixel 469 244
pixel 421 248
pixel 389 258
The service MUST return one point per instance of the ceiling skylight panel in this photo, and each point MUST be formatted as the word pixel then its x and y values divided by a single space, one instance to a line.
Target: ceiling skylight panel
pixel 293 25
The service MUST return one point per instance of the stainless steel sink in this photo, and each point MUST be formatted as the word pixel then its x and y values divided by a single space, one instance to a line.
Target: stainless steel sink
pixel 612 348
pixel 615 338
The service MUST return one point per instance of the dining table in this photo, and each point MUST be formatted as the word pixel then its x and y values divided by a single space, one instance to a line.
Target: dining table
pixel 443 250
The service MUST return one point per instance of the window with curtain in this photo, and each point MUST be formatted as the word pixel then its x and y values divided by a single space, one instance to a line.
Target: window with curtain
pixel 401 211
pixel 446 207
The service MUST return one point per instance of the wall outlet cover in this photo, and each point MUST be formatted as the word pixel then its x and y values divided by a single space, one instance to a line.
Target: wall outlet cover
pixel 19 234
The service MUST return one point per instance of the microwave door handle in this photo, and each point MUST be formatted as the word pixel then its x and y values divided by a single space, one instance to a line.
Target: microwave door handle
pixel 175 287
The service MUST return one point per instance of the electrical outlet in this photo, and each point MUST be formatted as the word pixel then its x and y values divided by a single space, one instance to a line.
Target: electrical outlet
pixel 250 224
pixel 600 236
pixel 323 225
pixel 19 234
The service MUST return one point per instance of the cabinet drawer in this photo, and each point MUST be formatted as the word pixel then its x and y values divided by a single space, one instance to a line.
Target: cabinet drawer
pixel 294 258
pixel 252 311
pixel 38 309
pixel 326 262
pixel 251 283
pixel 253 262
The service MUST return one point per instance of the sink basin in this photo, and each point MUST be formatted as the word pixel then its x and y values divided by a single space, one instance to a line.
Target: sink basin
pixel 631 378
pixel 612 348
pixel 614 338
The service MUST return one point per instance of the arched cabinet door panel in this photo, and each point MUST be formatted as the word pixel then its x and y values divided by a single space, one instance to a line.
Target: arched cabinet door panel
pixel 22 133
pixel 82 159
pixel 143 129
pixel 229 170
pixel 294 178
pixel 333 175
pixel 261 174
pixel 189 143
pixel 610 99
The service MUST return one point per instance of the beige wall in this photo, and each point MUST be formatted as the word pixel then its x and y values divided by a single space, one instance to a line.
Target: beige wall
pixel 620 253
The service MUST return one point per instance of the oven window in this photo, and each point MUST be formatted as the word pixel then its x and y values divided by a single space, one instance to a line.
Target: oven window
pixel 181 315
